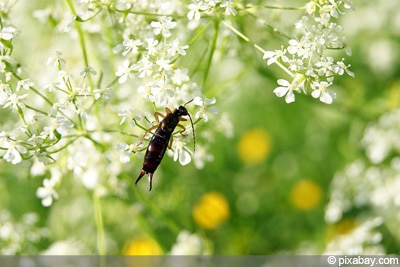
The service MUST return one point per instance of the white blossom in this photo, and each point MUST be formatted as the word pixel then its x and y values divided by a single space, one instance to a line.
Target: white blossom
pixel 47 192
pixel 187 244
pixel 181 152
pixel 204 104
pixel 163 26
pixel 13 153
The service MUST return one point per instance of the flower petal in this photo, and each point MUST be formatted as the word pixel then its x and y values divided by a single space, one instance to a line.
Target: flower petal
pixel 290 97
pixel 280 91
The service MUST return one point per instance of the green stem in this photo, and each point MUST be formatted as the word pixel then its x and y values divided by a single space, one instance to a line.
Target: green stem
pixel 81 40
pixel 259 48
pixel 213 47
pixel 101 245
pixel 199 33
pixel 244 37
pixel 275 7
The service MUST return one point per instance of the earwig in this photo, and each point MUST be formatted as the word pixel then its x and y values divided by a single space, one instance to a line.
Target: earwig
pixel 162 139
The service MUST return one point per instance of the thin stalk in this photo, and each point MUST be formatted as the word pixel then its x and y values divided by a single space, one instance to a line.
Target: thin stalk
pixel 213 47
pixel 82 40
pixel 101 245
pixel 259 48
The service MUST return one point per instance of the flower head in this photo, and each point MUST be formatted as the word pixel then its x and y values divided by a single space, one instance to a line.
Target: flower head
pixel 320 91
pixel 163 26
pixel 286 89
pixel 204 109
pixel 47 192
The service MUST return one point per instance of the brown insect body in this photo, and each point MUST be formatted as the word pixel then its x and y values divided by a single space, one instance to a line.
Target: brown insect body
pixel 161 140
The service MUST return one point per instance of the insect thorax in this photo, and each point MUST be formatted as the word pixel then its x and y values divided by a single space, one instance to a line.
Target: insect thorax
pixel 169 123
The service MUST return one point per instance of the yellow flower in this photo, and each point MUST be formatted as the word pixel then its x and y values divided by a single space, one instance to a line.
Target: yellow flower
pixel 306 195
pixel 254 146
pixel 211 210
pixel 142 246
pixel 393 98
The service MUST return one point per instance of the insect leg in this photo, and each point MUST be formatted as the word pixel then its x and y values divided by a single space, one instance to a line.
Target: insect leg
pixel 183 129
pixel 148 131
pixel 158 115
pixel 170 142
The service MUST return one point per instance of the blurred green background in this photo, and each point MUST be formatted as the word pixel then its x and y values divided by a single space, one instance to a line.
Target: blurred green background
pixel 265 191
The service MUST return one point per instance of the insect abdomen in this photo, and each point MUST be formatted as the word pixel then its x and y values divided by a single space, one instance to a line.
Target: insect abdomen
pixel 156 150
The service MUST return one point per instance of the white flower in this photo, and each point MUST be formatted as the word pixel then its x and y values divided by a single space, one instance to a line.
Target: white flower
pixel 382 138
pixel 163 26
pixel 5 91
pixel 163 64
pixel 176 48
pixel 320 91
pixel 152 46
pixel 187 244
pixel 13 153
pixel 63 125
pixel 180 76
pixel 124 71
pixel 204 109
pixel 340 68
pixel 127 150
pixel 47 192
pixel 64 247
pixel 195 9
pixel 131 47
pixel 296 47
pixel 88 71
pixel 146 90
pixel 325 66
pixel 181 152
pixel 286 88
pixel 56 60
pixel 129 115
pixel 275 56
pixel 14 101
pixel 25 84
pixel 229 8
pixel 90 177
pixel 7 33
pixel 162 92
pixel 144 67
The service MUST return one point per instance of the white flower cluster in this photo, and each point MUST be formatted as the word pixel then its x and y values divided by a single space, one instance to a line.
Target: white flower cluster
pixel 151 58
pixel 58 122
pixel 19 237
pixel 375 184
pixel 306 57
pixel 187 244
pixel 383 138
pixel 208 7
pixel 363 240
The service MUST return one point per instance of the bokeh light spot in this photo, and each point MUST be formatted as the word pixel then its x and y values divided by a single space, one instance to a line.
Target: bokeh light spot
pixel 254 146
pixel 306 195
pixel 142 246
pixel 211 210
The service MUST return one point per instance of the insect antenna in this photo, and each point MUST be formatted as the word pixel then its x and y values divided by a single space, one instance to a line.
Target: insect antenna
pixel 191 122
pixel 194 135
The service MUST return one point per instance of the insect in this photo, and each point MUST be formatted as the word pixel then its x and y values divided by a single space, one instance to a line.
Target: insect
pixel 162 139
